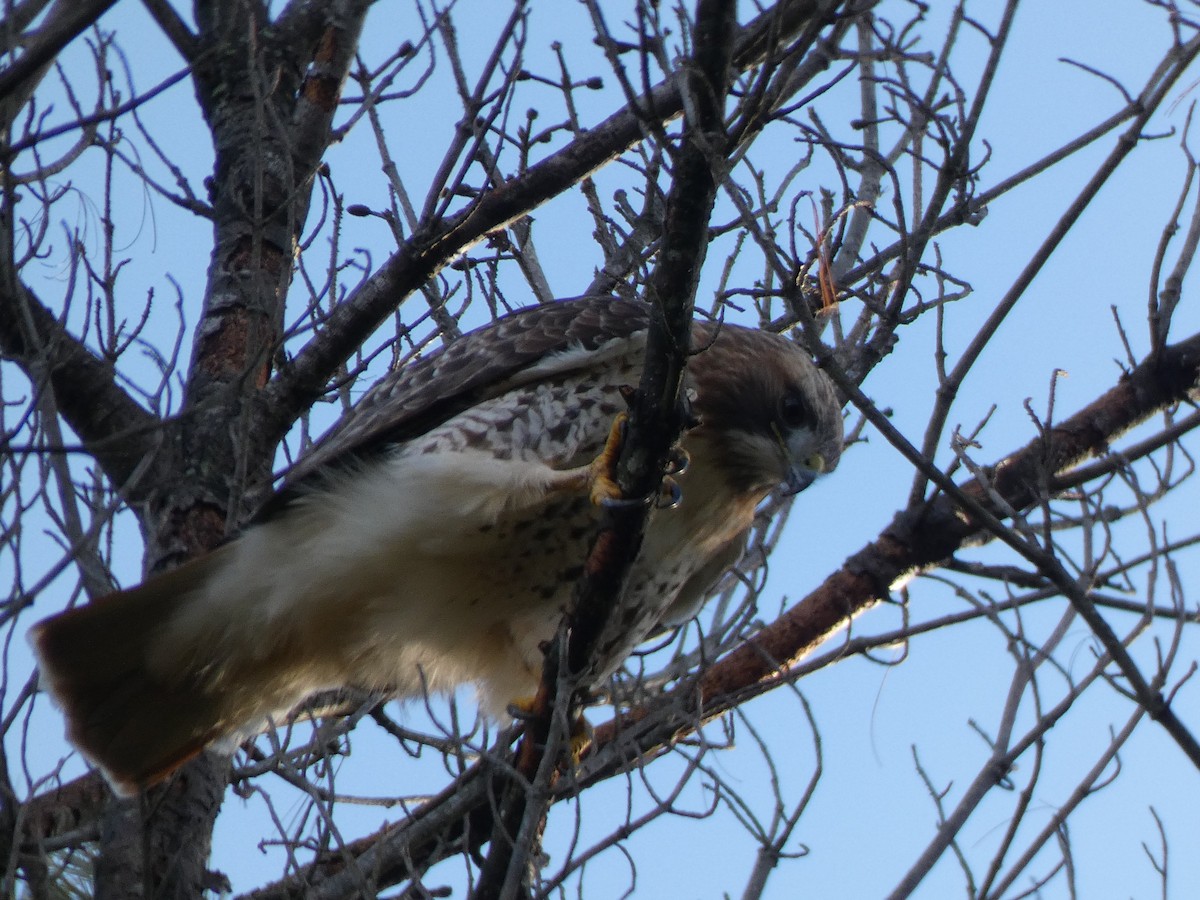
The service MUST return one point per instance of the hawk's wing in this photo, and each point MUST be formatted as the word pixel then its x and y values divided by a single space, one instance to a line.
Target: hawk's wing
pixel 481 365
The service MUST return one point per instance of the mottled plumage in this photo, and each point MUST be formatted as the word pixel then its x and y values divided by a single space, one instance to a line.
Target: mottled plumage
pixel 434 538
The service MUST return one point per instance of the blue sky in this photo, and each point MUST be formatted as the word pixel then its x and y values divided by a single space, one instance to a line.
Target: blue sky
pixel 870 814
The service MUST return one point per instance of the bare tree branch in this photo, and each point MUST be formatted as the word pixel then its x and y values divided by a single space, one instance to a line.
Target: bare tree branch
pixel 65 22
pixel 437 242
pixel 115 429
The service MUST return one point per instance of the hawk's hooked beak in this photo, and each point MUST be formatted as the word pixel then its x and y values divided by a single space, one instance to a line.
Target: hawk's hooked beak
pixel 801 474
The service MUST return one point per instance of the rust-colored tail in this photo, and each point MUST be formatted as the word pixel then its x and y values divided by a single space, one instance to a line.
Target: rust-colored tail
pixel 135 725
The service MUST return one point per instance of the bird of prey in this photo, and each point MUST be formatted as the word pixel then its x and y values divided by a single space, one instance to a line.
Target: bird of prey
pixel 433 540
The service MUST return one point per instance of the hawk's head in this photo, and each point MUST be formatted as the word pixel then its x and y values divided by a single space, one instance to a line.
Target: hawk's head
pixel 770 414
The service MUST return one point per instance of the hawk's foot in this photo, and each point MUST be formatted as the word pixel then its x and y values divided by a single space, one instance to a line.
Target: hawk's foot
pixel 603 487
pixel 523 708
pixel 599 477
pixel 579 737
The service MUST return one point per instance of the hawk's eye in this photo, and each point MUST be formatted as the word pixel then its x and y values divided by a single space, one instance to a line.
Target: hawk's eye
pixel 792 411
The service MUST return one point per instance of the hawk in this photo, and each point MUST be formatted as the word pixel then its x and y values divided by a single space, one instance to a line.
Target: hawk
pixel 433 540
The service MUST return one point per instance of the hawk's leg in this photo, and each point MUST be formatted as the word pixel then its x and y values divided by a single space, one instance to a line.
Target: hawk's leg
pixel 603 487
pixel 599 477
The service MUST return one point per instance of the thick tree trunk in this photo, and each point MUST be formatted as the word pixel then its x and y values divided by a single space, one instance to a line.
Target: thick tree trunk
pixel 269 92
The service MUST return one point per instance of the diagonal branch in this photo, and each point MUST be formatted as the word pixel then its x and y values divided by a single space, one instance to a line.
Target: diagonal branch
pixel 116 430
pixel 919 538
pixel 68 20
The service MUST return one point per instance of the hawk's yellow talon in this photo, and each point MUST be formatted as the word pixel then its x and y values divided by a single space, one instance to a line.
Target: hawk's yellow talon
pixel 523 707
pixel 602 473
pixel 579 738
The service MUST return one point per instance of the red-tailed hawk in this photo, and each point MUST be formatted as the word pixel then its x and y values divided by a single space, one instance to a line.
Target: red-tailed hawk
pixel 434 539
